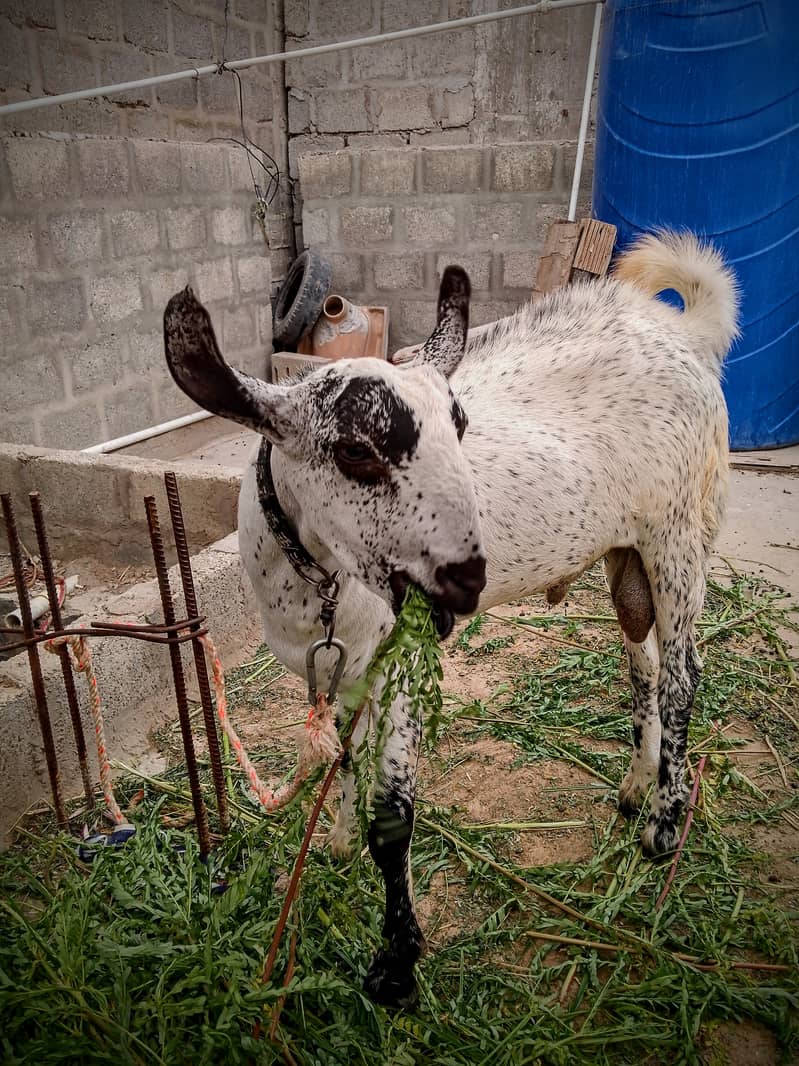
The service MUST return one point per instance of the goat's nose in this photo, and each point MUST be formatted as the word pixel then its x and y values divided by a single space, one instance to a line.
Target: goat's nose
pixel 462 583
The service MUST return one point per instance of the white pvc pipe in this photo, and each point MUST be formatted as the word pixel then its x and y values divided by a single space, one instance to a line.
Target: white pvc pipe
pixel 542 7
pixel 145 434
pixel 39 605
pixel 589 87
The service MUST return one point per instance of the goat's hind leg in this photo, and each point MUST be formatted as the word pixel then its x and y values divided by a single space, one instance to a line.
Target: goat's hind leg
pixel 390 979
pixel 632 598
pixel 678 585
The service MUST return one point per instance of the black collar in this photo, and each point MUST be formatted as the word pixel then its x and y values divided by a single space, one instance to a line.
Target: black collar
pixel 325 583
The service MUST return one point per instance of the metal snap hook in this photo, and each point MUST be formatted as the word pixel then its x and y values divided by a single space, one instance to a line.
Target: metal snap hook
pixel 310 667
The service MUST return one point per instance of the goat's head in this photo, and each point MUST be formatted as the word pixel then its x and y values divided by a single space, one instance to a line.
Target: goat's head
pixel 371 451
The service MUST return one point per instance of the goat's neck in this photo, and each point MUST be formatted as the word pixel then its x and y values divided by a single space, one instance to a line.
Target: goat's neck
pixel 300 520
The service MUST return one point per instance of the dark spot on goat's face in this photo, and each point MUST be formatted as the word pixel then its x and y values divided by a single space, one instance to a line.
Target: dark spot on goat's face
pixel 381 476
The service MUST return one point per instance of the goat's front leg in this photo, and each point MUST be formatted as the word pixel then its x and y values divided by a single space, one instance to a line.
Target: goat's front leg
pixel 390 979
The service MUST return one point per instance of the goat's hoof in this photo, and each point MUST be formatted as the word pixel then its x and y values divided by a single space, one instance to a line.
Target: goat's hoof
pixel 390 983
pixel 629 804
pixel 659 837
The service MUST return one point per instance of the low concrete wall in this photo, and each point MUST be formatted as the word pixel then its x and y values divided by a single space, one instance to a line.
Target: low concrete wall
pixel 134 678
pixel 93 503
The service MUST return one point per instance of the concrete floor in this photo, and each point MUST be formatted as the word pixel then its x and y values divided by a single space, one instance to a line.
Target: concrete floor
pixel 760 534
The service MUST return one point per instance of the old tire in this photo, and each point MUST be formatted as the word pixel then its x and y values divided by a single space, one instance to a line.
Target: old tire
pixel 299 301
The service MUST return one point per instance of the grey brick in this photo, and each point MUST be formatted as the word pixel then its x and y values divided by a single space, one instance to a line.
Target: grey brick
pixel 388 172
pixel 15 70
pixel 402 15
pixel 128 409
pixel 76 237
pixel 37 379
pixel 518 269
pixel 338 19
pixel 120 65
pixel 325 174
pixel 257 95
pixel 299 111
pixel 146 123
pixel 203 167
pixel 296 17
pixel 263 317
pixel 254 274
pixel 452 169
pixel 178 95
pixel 342 112
pixel 104 168
pixel 434 138
pixel 315 226
pixel 251 10
pixel 192 35
pixel 417 320
pixel 569 159
pixel 497 221
pixel 239 43
pixel 95 19
pixel 214 279
pixel 408 108
pixel 230 225
pixel 523 167
pixel 363 226
pixel 65 66
pixel 238 328
pixel 315 72
pixel 347 273
pixel 399 271
pixel 484 311
pixel 218 94
pixel 425 225
pixel 18 241
pixel 98 365
pixel 157 166
pixel 476 264
pixel 134 232
pixel 113 298
pixel 10 316
pixel 56 306
pixel 298 146
pixel 382 61
pixel 31 12
pixel 39 168
pixel 20 430
pixel 371 141
pixel 146 351
pixel 458 106
pixel 185 227
pixel 77 426
pixel 145 25
pixel 444 54
pixel 163 284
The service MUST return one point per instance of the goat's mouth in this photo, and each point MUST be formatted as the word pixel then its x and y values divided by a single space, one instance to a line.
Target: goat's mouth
pixel 453 599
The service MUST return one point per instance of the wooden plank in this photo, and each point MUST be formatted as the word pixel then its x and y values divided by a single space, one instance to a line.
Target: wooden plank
pixel 557 257
pixel 594 249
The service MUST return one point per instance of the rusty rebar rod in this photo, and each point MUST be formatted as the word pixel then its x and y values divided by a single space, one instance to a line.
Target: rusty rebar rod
pixel 42 712
pixel 63 651
pixel 159 558
pixel 190 595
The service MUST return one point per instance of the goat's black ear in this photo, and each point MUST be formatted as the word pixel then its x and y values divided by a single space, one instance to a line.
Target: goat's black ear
pixel 445 346
pixel 199 369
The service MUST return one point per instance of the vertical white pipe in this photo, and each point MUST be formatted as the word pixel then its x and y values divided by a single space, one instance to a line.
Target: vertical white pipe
pixel 589 86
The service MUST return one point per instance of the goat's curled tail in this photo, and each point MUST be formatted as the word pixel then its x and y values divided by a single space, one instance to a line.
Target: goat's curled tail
pixel 670 260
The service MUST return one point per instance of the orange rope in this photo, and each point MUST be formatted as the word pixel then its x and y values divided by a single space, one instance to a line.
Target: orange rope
pixel 320 744
pixel 82 657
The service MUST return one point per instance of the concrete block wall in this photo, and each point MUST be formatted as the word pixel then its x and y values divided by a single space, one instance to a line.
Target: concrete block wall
pixel 54 46
pixel 97 234
pixel 391 220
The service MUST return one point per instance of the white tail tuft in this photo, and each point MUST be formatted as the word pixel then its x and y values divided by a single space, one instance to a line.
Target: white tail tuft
pixel 671 260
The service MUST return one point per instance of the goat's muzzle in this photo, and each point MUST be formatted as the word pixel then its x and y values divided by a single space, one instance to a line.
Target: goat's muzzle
pixel 460 585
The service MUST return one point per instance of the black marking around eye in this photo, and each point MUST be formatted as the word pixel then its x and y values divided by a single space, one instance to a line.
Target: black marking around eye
pixel 380 416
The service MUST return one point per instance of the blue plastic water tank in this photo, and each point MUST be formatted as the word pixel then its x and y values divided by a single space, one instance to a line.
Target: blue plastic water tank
pixel 698 127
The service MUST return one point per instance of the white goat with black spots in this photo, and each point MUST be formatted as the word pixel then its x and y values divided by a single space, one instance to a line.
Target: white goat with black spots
pixel 596 428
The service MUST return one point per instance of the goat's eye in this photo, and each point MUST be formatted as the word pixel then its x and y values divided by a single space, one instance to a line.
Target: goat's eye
pixel 354 453
pixel 359 462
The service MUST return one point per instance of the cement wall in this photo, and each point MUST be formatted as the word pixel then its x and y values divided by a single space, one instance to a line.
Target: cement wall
pixel 93 503
pixel 392 219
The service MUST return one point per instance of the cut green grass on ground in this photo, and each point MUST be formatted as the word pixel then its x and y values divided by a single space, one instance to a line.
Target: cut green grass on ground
pixel 139 958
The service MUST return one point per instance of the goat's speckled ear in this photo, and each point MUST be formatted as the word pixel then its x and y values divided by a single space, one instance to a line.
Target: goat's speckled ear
pixel 445 346
pixel 197 365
